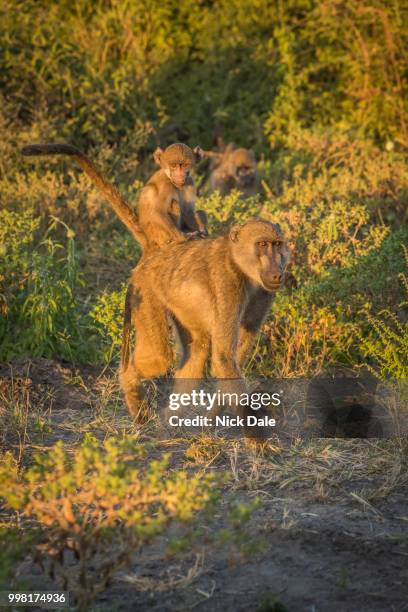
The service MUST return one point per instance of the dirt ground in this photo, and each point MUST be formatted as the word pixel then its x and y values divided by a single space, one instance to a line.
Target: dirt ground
pixel 332 527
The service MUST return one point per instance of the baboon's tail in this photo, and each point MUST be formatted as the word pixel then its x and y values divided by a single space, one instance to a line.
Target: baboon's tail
pixel 127 329
pixel 119 205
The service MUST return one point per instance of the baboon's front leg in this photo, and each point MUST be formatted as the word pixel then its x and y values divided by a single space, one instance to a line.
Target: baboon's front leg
pixel 224 342
pixel 194 353
pixel 195 347
pixel 225 331
pixel 224 363
pixel 255 313
pixel 202 222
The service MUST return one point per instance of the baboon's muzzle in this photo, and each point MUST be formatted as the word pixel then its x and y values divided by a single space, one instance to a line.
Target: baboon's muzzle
pixel 246 179
pixel 271 280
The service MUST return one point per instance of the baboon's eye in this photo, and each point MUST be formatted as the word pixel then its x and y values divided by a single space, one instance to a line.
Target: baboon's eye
pixel 277 243
pixel 262 247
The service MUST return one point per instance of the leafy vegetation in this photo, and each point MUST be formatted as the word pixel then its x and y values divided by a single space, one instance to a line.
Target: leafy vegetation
pixel 39 279
pixel 388 343
pixel 103 72
pixel 101 499
pixel 326 114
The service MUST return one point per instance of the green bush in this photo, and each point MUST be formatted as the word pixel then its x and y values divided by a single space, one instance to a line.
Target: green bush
pixel 101 504
pixel 108 314
pixel 325 109
pixel 39 279
pixel 122 70
pixel 347 259
pixel 387 342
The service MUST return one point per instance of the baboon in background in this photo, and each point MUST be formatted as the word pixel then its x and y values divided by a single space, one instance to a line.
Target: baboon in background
pixel 233 168
pixel 217 291
pixel 166 206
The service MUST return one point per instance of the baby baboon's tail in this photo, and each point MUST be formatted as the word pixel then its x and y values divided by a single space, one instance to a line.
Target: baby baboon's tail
pixel 119 205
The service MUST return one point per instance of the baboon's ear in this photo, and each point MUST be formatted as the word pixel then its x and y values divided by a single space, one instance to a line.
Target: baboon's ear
pixel 198 154
pixel 157 155
pixel 230 147
pixel 234 232
pixel 220 143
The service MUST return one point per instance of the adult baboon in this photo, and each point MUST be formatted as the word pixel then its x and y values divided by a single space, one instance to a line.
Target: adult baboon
pixel 166 206
pixel 233 168
pixel 217 291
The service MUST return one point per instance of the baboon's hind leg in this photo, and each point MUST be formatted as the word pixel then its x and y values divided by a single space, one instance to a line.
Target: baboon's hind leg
pixel 152 355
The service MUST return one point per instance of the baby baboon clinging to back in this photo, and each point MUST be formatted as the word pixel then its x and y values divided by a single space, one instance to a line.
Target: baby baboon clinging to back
pixel 166 204
pixel 233 168
pixel 166 207
pixel 217 291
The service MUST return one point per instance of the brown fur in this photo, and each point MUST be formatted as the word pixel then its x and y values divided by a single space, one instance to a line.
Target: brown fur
pixel 166 210
pixel 233 168
pixel 217 291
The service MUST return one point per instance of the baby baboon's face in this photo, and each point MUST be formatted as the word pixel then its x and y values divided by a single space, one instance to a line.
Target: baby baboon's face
pixel 260 251
pixel 177 161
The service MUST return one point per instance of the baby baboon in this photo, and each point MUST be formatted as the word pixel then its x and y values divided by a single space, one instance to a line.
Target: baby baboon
pixel 166 204
pixel 166 207
pixel 233 168
pixel 217 291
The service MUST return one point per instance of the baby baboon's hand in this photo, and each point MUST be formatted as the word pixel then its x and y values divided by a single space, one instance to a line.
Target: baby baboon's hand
pixel 193 235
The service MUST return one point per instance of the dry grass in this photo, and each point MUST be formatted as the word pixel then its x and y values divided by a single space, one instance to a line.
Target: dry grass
pixel 323 467
pixel 174 577
pixel 29 417
pixel 25 414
